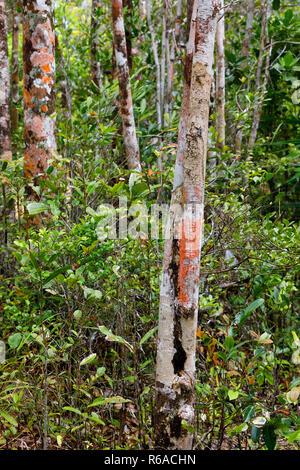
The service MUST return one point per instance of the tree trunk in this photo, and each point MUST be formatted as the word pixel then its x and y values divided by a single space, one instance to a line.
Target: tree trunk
pixel 245 53
pixel 220 85
pixel 154 46
pixel 178 21
pixel 129 132
pixel 5 142
pixel 95 26
pixel 249 26
pixel 38 88
pixel 175 369
pixel 260 86
pixel 17 16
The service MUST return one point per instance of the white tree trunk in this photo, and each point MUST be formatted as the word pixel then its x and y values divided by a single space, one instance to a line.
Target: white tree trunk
pixel 175 369
pixel 220 85
pixel 128 124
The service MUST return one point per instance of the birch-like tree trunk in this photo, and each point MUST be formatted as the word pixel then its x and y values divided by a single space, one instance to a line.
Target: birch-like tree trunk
pixel 245 53
pixel 154 47
pixel 15 96
pixel 261 85
pixel 95 32
pixel 38 88
pixel 220 81
pixel 129 132
pixel 249 27
pixel 175 368
pixel 178 21
pixel 5 142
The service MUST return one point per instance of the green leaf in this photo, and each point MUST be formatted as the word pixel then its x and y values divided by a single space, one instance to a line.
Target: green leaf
pixel 111 337
pixel 92 293
pixel 104 401
pixel 276 4
pixel 100 371
pixel 242 317
pixel 255 434
pixel 249 412
pixel 233 394
pixel 139 189
pixel 8 418
pixel 88 359
pixel 293 436
pixel 148 335
pixel 14 340
pixel 74 410
pixel 55 274
pixel 288 16
pixel 34 261
pixel 229 342
pixel 254 305
pixel 269 436
pixel 36 208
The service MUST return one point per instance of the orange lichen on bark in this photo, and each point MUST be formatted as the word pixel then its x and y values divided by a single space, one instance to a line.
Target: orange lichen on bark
pixel 46 68
pixel 189 257
pixel 27 96
pixel 47 79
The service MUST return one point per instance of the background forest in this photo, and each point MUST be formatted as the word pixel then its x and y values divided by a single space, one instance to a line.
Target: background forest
pixel 65 382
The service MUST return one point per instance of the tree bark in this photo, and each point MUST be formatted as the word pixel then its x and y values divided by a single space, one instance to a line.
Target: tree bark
pixel 154 47
pixel 38 88
pixel 220 82
pixel 129 132
pixel 5 141
pixel 95 63
pixel 15 96
pixel 249 26
pixel 245 53
pixel 175 368
pixel 260 86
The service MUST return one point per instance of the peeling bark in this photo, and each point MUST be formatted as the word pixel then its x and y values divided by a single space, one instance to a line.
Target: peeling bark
pixel 220 82
pixel 5 142
pixel 175 368
pixel 95 27
pixel 38 88
pixel 15 96
pixel 129 132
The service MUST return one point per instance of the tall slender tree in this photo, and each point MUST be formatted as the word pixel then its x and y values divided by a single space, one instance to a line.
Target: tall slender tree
pixel 95 26
pixel 245 54
pixel 38 88
pixel 220 81
pixel 175 369
pixel 129 132
pixel 261 83
pixel 15 96
pixel 5 141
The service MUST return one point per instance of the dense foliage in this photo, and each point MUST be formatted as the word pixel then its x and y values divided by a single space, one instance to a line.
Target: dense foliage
pixel 78 316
